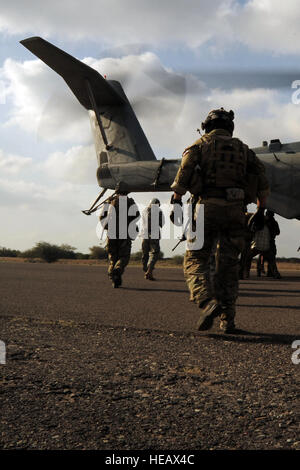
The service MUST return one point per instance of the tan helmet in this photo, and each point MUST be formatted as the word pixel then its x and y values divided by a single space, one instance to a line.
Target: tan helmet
pixel 220 114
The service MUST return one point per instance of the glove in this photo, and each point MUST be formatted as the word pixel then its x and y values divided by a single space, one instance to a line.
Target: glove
pixel 176 214
pixel 257 220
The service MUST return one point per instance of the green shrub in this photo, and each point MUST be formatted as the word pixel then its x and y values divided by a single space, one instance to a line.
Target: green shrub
pixel 7 252
pixel 97 252
pixel 82 256
pixel 50 253
pixel 137 256
pixel 67 251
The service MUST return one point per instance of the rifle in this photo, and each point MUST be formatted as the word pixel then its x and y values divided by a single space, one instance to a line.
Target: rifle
pixel 93 208
pixel 181 239
pixel 183 236
pixel 192 200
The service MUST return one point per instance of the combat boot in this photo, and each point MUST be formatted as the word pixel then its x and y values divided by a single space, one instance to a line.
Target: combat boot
pixel 149 275
pixel 209 312
pixel 145 267
pixel 227 320
pixel 116 279
pixel 227 327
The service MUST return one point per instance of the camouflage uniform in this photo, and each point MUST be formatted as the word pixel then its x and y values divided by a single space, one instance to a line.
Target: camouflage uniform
pixel 271 254
pixel 151 237
pixel 210 167
pixel 118 247
pixel 118 252
pixel 151 250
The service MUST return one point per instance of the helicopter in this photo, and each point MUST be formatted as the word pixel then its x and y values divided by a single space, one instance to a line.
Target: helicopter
pixel 125 158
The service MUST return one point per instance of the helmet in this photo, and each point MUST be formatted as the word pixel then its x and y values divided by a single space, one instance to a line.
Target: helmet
pixel 225 119
pixel 154 201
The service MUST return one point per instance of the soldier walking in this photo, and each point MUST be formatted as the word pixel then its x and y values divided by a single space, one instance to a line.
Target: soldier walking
pixel 273 227
pixel 268 254
pixel 226 175
pixel 152 222
pixel 118 217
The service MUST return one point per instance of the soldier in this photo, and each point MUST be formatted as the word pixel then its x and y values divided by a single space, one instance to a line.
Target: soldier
pixel 152 222
pixel 271 254
pixel 259 245
pixel 271 230
pixel 227 176
pixel 118 218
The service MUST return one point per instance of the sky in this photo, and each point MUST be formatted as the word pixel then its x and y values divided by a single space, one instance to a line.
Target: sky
pixel 176 60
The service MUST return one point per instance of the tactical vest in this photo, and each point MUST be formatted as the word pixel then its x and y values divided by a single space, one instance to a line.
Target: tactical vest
pixel 223 162
pixel 115 202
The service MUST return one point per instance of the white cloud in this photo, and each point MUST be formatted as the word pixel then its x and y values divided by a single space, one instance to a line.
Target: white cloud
pixel 77 165
pixel 42 104
pixel 38 206
pixel 170 107
pixel 24 226
pixel 260 114
pixel 269 25
pixel 116 21
pixel 13 164
pixel 61 181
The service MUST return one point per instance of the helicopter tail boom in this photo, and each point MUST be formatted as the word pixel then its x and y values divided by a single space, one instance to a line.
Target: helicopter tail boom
pixel 118 135
pixel 75 73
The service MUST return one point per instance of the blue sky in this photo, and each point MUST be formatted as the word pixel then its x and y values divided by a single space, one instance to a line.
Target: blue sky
pixel 237 54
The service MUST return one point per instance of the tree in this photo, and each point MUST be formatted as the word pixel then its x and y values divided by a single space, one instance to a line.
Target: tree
pixel 67 251
pixel 137 256
pixel 97 252
pixel 7 252
pixel 50 253
pixel 47 252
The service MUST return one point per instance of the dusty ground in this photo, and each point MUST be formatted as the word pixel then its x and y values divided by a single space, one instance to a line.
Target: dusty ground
pixel 91 367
